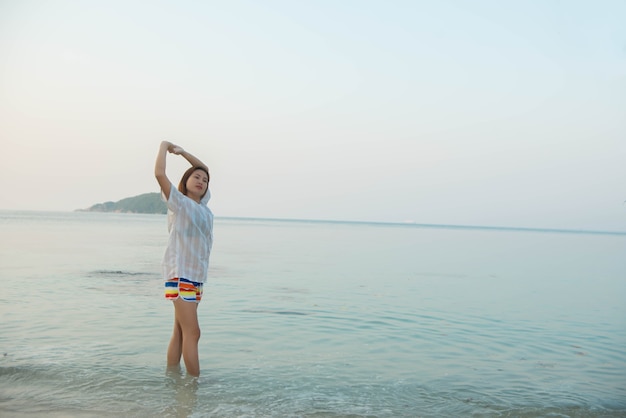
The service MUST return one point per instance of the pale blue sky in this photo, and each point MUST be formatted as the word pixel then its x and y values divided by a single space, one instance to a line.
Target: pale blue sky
pixel 507 113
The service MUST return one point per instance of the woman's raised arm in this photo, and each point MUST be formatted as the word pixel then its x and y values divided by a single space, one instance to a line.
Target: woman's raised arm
pixel 159 168
pixel 193 160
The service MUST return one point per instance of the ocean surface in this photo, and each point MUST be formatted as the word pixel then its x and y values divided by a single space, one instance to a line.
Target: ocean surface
pixel 313 319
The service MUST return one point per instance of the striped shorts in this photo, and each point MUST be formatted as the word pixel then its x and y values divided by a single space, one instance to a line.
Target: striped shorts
pixel 186 289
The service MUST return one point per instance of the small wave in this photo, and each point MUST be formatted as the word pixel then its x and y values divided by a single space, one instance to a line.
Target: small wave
pixel 118 273
pixel 276 312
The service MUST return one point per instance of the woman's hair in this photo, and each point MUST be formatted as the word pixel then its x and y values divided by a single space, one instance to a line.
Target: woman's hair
pixel 182 186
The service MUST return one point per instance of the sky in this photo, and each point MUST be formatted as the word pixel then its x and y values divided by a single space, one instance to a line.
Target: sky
pixel 483 113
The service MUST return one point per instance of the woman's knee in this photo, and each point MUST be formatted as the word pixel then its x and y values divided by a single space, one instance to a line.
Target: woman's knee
pixel 192 332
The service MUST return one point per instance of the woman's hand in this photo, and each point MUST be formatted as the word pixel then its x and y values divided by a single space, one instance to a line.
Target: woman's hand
pixel 174 149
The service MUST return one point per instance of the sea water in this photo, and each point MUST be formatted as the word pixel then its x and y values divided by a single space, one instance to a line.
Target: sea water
pixel 313 319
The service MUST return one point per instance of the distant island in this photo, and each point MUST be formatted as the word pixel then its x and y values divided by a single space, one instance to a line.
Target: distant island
pixel 143 203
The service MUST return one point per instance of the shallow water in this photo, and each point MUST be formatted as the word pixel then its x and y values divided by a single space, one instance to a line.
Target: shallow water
pixel 313 319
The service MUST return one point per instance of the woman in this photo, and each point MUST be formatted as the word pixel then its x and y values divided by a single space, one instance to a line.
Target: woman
pixel 186 260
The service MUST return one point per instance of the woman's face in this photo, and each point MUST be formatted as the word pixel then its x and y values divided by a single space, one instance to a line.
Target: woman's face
pixel 197 184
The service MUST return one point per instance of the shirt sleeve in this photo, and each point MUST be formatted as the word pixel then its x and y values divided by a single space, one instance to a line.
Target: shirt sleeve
pixel 175 201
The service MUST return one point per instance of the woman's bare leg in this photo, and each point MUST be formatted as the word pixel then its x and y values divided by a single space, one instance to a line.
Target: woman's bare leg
pixel 186 319
pixel 175 348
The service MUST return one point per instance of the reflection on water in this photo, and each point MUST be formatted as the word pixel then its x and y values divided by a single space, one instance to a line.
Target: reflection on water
pixel 184 393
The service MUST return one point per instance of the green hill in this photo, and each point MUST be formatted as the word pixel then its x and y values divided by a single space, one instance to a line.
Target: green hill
pixel 144 203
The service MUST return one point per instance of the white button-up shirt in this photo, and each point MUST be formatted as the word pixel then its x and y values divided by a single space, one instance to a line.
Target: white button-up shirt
pixel 190 225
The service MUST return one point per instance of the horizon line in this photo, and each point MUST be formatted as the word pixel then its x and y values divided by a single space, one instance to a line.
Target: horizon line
pixel 422 225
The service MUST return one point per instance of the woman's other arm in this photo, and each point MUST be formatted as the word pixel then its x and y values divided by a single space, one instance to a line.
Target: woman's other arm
pixel 193 160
